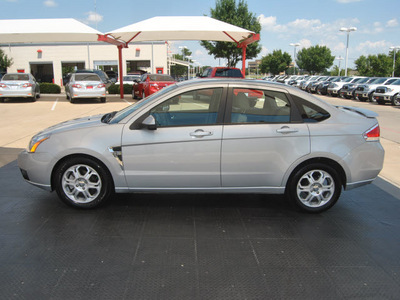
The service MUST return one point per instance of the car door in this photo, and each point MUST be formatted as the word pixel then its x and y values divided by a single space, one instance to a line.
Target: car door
pixel 260 140
pixel 184 151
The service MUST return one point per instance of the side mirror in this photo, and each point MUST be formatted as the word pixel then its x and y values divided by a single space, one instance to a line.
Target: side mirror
pixel 149 123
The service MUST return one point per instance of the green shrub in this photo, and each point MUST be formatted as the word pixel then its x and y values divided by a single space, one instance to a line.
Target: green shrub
pixel 114 89
pixel 49 88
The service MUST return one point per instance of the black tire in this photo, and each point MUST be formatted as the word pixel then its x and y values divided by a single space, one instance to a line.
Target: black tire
pixel 103 100
pixel 2 100
pixel 395 101
pixel 72 100
pixel 32 99
pixel 83 182
pixel 307 191
pixel 371 98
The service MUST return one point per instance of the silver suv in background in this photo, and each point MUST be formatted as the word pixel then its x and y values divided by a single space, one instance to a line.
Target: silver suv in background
pixel 365 92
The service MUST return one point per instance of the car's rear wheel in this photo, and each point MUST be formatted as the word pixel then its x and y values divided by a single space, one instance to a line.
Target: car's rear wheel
pixel 83 182
pixel 315 187
pixel 103 100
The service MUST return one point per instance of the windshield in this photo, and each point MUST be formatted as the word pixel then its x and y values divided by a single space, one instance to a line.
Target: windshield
pixel 378 81
pixel 19 77
pixel 161 78
pixel 120 115
pixel 87 77
pixel 397 82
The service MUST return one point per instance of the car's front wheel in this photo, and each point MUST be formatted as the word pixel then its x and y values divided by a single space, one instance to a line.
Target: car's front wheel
pixel 83 182
pixel 315 187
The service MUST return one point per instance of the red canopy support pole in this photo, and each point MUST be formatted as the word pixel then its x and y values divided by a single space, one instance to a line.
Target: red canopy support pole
pixel 244 60
pixel 121 83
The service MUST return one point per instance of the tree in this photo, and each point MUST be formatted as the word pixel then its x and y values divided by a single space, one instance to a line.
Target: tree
pixel 380 65
pixel 227 11
pixel 316 59
pixel 275 62
pixel 5 61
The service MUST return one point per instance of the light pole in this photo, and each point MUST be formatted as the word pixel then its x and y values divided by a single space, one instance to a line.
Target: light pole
pixel 294 56
pixel 394 48
pixel 339 59
pixel 348 30
pixel 188 57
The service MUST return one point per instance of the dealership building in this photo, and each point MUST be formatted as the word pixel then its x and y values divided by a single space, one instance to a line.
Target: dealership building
pixel 49 62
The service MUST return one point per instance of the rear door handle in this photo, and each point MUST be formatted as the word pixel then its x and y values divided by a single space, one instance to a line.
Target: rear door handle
pixel 199 133
pixel 287 129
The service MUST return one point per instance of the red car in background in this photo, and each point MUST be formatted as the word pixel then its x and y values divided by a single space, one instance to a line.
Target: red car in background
pixel 224 72
pixel 150 84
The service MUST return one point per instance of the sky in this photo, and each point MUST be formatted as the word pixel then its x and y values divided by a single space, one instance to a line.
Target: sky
pixel 307 22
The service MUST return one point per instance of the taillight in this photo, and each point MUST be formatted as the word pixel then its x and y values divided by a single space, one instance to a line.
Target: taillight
pixel 372 134
pixel 27 85
pixel 76 85
pixel 101 85
pixel 2 85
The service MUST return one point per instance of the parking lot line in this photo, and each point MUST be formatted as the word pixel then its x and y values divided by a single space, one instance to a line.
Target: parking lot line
pixel 54 105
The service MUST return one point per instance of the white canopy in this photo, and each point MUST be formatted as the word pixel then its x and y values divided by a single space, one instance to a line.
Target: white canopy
pixel 45 30
pixel 180 28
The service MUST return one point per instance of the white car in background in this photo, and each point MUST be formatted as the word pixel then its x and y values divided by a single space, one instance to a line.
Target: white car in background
pixel 19 85
pixel 388 93
pixel 129 79
pixel 335 87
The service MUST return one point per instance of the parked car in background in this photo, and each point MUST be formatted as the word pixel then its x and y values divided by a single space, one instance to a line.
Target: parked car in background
pixel 335 87
pixel 347 91
pixel 103 76
pixel 387 93
pixel 19 85
pixel 129 79
pixel 171 142
pixel 366 91
pixel 112 75
pixel 150 84
pixel 224 72
pixel 312 85
pixel 322 87
pixel 85 85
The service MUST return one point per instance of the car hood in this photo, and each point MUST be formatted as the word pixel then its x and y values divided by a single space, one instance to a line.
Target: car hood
pixel 74 124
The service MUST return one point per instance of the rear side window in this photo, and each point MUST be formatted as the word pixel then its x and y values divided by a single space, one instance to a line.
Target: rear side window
pixel 310 112
pixel 228 73
pixel 259 106
pixel 161 78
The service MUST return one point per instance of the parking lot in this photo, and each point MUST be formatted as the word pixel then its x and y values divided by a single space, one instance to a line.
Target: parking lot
pixel 149 246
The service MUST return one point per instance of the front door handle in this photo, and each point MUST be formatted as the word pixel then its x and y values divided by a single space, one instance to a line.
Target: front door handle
pixel 199 133
pixel 287 129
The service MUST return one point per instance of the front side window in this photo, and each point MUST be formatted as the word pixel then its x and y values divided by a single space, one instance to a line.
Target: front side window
pixel 198 107
pixel 259 106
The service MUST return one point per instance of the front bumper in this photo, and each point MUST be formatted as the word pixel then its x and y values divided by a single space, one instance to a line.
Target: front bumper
pixel 36 168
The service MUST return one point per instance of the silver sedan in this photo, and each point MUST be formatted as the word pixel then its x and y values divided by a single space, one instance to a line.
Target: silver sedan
pixel 85 85
pixel 23 85
pixel 238 136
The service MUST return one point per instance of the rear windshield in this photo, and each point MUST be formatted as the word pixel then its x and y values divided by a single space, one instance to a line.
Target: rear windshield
pixel 161 78
pixel 22 77
pixel 228 73
pixel 87 77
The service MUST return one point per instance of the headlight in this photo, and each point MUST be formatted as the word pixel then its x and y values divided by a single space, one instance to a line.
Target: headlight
pixel 36 141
